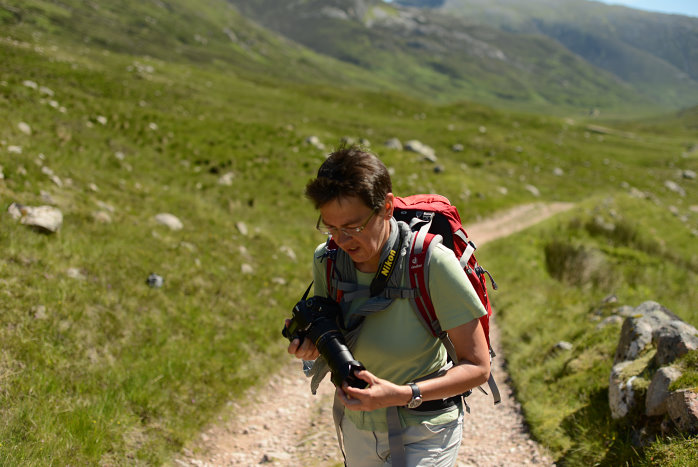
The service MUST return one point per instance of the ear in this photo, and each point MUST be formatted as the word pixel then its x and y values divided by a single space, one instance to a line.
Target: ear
pixel 389 205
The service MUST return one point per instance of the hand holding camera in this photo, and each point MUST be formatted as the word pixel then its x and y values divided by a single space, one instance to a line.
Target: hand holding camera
pixel 316 319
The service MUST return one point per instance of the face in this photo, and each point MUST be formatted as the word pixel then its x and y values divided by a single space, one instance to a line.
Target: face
pixel 363 248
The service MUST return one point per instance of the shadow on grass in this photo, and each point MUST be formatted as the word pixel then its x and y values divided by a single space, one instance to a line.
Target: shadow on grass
pixel 596 438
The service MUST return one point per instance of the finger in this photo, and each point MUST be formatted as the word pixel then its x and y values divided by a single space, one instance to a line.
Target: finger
pixel 293 346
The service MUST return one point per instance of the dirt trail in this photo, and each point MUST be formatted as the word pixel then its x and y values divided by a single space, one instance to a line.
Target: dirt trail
pixel 281 423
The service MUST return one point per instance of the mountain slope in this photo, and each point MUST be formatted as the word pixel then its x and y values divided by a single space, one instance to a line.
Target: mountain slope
pixel 657 54
pixel 444 58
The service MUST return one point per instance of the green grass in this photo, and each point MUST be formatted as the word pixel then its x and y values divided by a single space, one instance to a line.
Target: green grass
pixel 105 370
pixel 565 394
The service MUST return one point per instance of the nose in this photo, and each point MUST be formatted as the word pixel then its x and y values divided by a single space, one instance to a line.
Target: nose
pixel 342 237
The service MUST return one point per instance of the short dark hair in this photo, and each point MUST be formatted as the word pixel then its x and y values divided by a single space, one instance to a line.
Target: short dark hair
pixel 350 171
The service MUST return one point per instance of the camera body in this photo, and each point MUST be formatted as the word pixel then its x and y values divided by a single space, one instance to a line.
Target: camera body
pixel 316 319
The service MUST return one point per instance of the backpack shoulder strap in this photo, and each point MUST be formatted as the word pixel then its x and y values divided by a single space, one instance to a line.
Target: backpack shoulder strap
pixel 422 247
pixel 420 256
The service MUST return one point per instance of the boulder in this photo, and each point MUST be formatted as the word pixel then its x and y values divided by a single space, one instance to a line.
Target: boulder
pixel 658 390
pixel 674 339
pixel 635 336
pixel 621 395
pixel 682 407
pixel 637 331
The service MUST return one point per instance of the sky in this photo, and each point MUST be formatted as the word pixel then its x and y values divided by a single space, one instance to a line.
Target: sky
pixel 681 7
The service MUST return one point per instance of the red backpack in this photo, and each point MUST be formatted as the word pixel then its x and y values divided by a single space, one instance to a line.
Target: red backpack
pixel 430 217
pixel 435 220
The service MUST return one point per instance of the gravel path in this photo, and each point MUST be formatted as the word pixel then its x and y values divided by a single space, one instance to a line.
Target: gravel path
pixel 281 423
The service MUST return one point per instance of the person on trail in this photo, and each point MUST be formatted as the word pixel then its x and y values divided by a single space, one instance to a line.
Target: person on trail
pixel 410 413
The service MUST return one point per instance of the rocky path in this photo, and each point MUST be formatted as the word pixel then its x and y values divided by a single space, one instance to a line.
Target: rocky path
pixel 281 423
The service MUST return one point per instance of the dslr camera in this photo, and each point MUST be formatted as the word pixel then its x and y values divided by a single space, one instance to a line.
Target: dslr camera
pixel 316 319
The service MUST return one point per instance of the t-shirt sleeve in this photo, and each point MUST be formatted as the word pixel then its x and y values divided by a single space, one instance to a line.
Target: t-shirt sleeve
pixel 452 294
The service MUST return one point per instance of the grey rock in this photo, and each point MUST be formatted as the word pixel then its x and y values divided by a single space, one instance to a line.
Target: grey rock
pixel 533 190
pixel 658 390
pixel 682 407
pixel 563 345
pixel 621 395
pixel 242 228
pixel 674 339
pixel 635 336
pixel 393 143
pixel 674 187
pixel 155 281
pixel 420 148
pixel 47 219
pixel 169 220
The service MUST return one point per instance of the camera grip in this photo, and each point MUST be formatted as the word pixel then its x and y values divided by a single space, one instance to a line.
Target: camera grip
pixel 285 332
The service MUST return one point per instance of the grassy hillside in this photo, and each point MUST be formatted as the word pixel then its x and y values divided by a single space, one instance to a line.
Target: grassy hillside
pixel 98 368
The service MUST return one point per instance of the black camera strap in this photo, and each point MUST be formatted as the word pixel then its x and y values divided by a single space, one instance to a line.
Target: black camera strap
pixel 386 268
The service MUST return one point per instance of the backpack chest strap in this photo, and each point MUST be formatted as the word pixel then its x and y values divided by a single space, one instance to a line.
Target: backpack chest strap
pixel 351 291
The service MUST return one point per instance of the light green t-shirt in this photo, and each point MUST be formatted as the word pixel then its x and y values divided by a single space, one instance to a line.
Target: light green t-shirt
pixel 394 344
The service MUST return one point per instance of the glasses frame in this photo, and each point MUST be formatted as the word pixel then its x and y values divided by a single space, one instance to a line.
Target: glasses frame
pixel 348 231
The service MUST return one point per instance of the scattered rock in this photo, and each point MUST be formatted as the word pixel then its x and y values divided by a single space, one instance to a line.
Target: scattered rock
pixel 24 128
pixel 46 219
pixel 246 268
pixel 155 281
pixel 422 149
pixel 226 179
pixel 393 143
pixel 242 228
pixel 688 174
pixel 533 190
pixel 75 273
pixel 563 345
pixel 315 142
pixel 674 187
pixel 169 220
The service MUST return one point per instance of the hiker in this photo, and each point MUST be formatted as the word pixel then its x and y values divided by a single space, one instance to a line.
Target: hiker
pixel 411 388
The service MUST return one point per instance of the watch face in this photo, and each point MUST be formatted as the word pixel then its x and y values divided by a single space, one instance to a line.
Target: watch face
pixel 416 397
pixel 414 403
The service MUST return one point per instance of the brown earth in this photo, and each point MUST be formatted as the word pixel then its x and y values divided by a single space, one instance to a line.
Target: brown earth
pixel 279 422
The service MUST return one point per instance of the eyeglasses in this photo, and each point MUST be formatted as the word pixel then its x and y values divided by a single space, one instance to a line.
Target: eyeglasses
pixel 348 231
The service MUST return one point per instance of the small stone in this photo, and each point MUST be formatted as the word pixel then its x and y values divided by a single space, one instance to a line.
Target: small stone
pixel 169 220
pixel 242 228
pixel 155 281
pixel 24 128
pixel 75 273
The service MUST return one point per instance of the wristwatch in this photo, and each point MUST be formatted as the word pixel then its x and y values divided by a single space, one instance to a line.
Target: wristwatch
pixel 416 400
